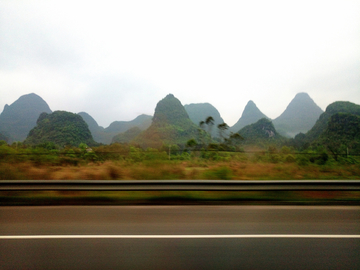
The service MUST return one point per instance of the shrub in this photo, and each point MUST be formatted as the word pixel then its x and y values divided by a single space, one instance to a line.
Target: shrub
pixel 274 158
pixel 290 159
pixel 222 173
pixel 302 160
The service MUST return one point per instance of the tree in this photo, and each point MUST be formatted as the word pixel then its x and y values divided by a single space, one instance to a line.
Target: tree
pixel 202 124
pixel 201 132
pixel 210 123
pixel 235 139
pixel 191 143
pixel 222 128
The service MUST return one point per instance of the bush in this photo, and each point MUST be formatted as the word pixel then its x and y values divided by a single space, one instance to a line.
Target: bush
pixel 320 159
pixel 274 158
pixel 290 159
pixel 222 173
pixel 302 160
pixel 8 172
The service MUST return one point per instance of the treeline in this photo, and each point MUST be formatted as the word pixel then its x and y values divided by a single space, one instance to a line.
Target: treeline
pixel 51 154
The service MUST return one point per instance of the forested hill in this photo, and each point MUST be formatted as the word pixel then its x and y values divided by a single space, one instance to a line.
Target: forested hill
pixel 250 115
pixel 61 128
pixel 20 117
pixel 171 125
pixel 262 133
pixel 170 111
pixel 342 134
pixel 333 108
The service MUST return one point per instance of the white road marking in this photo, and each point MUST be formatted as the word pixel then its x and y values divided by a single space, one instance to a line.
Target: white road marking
pixel 164 236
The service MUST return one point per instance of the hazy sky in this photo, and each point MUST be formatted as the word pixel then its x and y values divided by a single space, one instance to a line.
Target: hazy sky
pixel 117 59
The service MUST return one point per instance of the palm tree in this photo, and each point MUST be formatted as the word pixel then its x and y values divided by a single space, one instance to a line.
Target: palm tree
pixel 201 124
pixel 222 128
pixel 235 139
pixel 201 132
pixel 210 123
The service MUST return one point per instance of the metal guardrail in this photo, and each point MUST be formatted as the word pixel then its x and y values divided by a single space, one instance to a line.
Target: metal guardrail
pixel 180 185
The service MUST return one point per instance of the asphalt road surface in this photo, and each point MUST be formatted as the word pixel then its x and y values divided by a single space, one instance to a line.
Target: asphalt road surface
pixel 180 237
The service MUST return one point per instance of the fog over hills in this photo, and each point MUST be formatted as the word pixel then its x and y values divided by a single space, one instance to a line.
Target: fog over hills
pixel 173 122
pixel 143 121
pixel 93 125
pixel 105 135
pixel 200 111
pixel 299 116
pixel 97 131
pixel 20 117
pixel 250 115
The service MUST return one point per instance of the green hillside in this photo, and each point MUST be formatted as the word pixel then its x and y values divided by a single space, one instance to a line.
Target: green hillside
pixel 342 134
pixel 262 134
pixel 171 125
pixel 127 136
pixel 61 128
pixel 322 122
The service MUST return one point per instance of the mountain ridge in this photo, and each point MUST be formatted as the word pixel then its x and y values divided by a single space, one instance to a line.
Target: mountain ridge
pixel 106 135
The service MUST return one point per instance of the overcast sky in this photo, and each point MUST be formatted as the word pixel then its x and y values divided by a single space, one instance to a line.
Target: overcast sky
pixel 117 59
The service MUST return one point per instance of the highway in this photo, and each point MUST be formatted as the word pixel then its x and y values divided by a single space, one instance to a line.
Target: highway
pixel 180 237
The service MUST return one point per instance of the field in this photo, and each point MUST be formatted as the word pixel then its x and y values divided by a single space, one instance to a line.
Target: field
pixel 119 162
pixel 237 167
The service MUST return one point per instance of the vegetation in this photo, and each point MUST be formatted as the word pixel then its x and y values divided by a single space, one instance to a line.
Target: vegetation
pixel 322 122
pixel 127 136
pixel 342 135
pixel 171 125
pixel 173 147
pixel 4 138
pixel 60 128
pixel 124 161
pixel 262 133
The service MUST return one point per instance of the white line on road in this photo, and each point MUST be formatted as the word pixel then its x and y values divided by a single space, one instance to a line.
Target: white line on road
pixel 3 237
